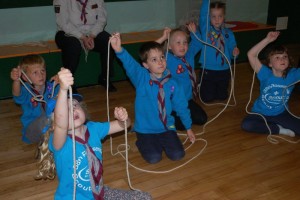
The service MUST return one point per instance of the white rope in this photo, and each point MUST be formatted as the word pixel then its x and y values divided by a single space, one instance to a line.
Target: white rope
pixel 231 94
pixel 167 50
pixel 232 73
pixel 40 97
pixel 74 141
pixel 163 171
pixel 53 89
pixel 204 64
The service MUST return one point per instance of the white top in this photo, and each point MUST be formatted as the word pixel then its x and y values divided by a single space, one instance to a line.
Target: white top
pixel 80 17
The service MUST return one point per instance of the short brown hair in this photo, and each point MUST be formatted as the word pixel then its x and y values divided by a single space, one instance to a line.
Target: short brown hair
pixel 146 47
pixel 31 59
pixel 218 5
pixel 278 49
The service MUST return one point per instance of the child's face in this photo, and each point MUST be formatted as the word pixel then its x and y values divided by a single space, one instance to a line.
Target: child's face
pixel 179 44
pixel 279 62
pixel 156 62
pixel 78 115
pixel 217 17
pixel 37 74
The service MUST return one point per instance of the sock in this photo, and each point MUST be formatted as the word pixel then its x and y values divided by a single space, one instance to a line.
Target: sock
pixel 285 131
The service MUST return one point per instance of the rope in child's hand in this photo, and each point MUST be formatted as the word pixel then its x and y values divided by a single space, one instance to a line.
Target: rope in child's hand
pixel 40 97
pixel 74 141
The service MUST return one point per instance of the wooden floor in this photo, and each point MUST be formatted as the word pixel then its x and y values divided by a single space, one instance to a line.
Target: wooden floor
pixel 234 165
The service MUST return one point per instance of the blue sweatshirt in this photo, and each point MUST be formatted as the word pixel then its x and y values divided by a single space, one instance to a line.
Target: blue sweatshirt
pixel 179 70
pixel 146 104
pixel 32 109
pixel 208 54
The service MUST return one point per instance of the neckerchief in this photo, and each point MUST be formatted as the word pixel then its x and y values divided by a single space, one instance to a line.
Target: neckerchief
pixel 95 167
pixel 192 76
pixel 217 39
pixel 42 102
pixel 83 12
pixel 161 96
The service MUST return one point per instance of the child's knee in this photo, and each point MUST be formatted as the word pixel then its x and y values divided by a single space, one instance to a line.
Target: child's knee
pixel 152 158
pixel 207 98
pixel 177 155
pixel 247 126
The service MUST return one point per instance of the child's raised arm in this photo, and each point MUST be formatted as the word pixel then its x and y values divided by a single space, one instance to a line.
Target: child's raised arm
pixel 121 116
pixel 254 51
pixel 165 36
pixel 191 26
pixel 115 42
pixel 55 78
pixel 15 74
pixel 61 112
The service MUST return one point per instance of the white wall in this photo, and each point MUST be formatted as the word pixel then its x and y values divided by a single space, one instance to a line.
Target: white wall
pixel 134 16
pixel 34 24
pixel 26 24
pixel 38 23
pixel 187 11
pixel 236 10
pixel 247 10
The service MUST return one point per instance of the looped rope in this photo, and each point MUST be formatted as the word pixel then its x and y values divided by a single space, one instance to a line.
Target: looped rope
pixel 36 97
pixel 73 142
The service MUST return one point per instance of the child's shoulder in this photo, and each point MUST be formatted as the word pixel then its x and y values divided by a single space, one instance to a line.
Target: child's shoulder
pixel 102 127
pixel 295 71
pixel 228 32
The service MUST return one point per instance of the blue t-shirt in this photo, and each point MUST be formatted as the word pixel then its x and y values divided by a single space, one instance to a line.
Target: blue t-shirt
pixel 32 109
pixel 274 93
pixel 64 163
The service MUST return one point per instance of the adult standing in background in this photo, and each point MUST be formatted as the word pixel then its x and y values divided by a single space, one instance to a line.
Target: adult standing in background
pixel 80 25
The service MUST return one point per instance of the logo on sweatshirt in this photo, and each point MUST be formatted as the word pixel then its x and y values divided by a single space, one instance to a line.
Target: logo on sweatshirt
pixel 179 69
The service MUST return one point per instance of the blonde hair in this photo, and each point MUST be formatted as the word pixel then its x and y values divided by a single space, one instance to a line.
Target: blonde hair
pixel 85 110
pixel 46 166
pixel 182 29
pixel 30 60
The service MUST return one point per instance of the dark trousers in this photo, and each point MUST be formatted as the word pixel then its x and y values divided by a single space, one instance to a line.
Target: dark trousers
pixel 198 115
pixel 214 85
pixel 151 146
pixel 71 51
pixel 256 124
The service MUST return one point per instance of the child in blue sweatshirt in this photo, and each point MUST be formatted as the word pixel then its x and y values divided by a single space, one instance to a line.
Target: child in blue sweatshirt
pixel 157 94
pixel 216 74
pixel 35 96
pixel 180 61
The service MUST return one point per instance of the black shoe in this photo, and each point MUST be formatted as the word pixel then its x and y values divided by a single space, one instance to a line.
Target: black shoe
pixel 103 82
